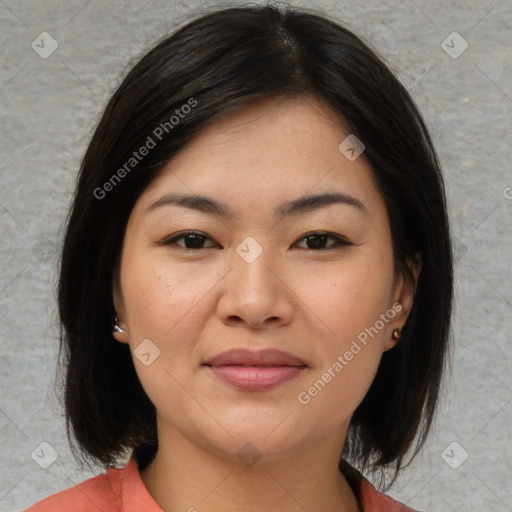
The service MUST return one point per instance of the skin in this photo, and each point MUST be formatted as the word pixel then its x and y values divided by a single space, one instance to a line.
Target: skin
pixel 196 303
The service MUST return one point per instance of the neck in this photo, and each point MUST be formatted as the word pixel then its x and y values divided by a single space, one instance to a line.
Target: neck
pixel 186 476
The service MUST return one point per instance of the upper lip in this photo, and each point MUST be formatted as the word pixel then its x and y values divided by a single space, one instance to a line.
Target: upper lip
pixel 265 357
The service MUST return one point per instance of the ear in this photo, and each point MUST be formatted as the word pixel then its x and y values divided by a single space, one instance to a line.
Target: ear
pixel 403 294
pixel 117 297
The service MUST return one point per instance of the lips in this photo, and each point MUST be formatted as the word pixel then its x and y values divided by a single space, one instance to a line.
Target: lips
pixel 255 371
pixel 245 357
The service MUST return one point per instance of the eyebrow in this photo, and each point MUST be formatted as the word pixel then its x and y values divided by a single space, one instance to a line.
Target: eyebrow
pixel 303 204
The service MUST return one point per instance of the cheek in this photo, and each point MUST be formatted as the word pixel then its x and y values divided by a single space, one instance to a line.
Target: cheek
pixel 349 304
pixel 350 297
pixel 168 303
pixel 158 293
pixel 335 391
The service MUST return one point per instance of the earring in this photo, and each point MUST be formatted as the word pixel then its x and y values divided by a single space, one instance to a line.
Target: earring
pixel 116 327
pixel 396 334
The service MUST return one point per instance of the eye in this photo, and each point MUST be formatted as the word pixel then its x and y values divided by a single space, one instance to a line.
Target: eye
pixel 319 238
pixel 193 240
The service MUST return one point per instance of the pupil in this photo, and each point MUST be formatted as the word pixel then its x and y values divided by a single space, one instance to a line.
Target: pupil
pixel 196 241
pixel 317 237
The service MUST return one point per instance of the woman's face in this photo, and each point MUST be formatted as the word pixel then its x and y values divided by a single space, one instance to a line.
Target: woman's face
pixel 260 279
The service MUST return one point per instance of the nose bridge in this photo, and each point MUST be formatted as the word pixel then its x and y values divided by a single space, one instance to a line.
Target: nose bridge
pixel 252 262
pixel 253 292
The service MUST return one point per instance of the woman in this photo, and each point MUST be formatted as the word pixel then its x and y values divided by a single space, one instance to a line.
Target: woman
pixel 256 278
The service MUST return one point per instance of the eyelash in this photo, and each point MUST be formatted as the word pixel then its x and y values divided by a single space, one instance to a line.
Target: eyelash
pixel 339 241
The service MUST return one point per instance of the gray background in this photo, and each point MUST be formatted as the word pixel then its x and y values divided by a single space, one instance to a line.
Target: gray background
pixel 48 110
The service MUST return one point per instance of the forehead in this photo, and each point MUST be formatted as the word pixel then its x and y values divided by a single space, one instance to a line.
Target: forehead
pixel 272 150
pixel 276 129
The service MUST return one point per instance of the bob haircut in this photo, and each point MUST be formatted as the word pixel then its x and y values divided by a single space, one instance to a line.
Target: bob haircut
pixel 218 63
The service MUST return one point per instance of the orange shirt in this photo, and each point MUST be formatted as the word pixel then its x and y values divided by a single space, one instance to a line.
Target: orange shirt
pixel 122 490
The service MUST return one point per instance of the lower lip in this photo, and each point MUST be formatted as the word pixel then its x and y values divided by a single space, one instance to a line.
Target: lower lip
pixel 256 378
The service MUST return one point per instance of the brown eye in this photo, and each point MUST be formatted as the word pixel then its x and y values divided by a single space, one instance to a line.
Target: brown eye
pixel 318 239
pixel 192 240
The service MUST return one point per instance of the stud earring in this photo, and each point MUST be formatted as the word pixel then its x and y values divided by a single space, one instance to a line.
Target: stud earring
pixel 396 334
pixel 116 327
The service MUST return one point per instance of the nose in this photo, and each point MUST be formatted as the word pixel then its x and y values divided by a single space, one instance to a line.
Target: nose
pixel 255 293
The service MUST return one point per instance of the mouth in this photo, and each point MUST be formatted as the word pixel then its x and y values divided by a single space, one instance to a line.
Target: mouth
pixel 255 371
pixel 264 357
pixel 256 378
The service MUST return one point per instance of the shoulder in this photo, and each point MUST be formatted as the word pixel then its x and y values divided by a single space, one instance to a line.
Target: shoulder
pixel 369 498
pixel 375 501
pixel 97 493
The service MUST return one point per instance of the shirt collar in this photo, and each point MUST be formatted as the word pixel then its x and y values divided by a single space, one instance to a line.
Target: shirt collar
pixel 128 485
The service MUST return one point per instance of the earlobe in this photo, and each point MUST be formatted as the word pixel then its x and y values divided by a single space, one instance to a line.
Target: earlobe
pixel 394 339
pixel 119 331
pixel 117 327
pixel 120 337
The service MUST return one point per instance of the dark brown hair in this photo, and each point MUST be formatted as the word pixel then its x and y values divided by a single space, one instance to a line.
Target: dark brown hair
pixel 222 61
